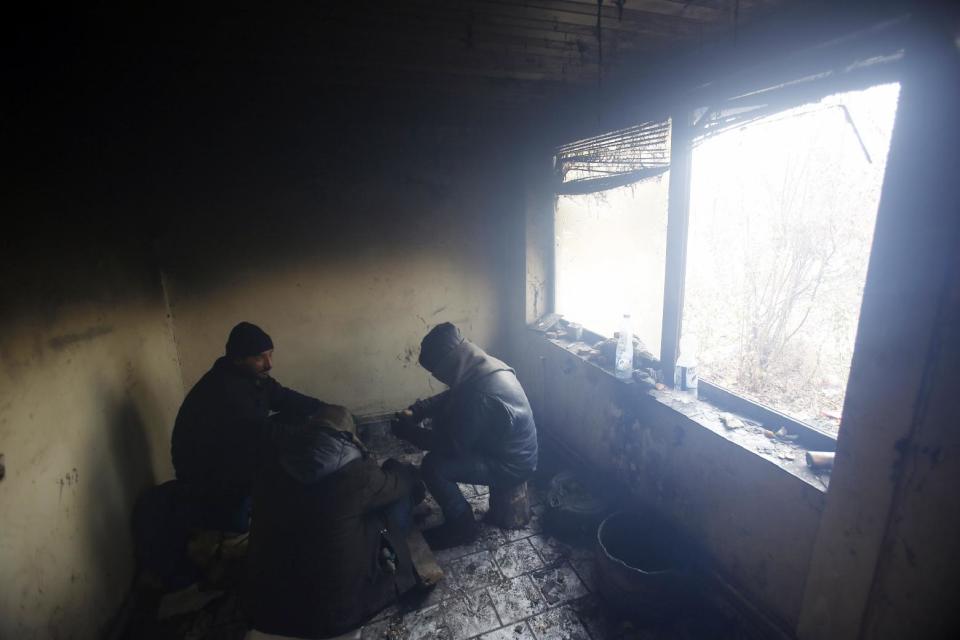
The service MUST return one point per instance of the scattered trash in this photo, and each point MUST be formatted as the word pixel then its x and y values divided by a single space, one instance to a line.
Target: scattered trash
pixel 645 376
pixel 547 322
pixel 730 421
pixel 605 353
pixel 783 434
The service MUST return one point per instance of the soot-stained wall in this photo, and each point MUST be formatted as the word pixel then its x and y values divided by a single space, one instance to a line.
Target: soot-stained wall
pixel 347 246
pixel 89 387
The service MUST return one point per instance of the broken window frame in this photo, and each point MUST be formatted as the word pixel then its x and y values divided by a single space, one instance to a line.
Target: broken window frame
pixel 858 62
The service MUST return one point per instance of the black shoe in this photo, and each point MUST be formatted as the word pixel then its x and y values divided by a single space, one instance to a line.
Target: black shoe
pixel 456 532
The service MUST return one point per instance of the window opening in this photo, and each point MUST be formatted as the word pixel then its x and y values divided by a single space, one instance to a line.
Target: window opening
pixel 610 255
pixel 782 212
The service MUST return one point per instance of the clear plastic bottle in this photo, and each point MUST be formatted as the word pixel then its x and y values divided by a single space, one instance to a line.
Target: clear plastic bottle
pixel 623 366
pixel 686 378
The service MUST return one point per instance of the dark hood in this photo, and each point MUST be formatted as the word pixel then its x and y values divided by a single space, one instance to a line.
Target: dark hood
pixel 466 363
pixel 311 452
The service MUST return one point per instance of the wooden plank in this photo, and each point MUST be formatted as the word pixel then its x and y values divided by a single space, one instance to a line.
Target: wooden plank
pixel 424 562
pixel 532 10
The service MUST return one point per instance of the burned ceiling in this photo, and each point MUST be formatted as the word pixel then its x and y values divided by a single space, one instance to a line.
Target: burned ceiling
pixel 504 52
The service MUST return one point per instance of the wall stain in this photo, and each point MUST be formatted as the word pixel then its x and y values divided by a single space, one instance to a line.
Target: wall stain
pixel 408 356
pixel 61 342
pixel 69 479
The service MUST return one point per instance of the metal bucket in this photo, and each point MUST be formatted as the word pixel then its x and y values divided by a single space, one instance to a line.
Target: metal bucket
pixel 641 570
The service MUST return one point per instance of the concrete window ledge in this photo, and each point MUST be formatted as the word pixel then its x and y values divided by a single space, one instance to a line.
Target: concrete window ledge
pixel 750 435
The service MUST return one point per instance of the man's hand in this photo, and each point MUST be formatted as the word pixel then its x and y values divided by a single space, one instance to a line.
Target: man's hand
pixel 403 424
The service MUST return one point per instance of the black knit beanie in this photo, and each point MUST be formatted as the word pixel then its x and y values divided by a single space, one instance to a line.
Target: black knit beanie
pixel 441 340
pixel 247 339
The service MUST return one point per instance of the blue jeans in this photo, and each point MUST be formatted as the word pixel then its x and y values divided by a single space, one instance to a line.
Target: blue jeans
pixel 400 513
pixel 442 473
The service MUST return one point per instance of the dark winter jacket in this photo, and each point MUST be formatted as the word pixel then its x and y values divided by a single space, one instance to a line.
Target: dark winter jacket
pixel 318 526
pixel 484 412
pixel 223 426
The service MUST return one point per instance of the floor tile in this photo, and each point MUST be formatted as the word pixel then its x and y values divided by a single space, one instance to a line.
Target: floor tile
pixel 426 624
pixel 445 556
pixel 490 538
pixel 517 558
pixel 517 599
pixel 423 624
pixel 559 584
pixel 469 614
pixel 551 549
pixel 558 624
pixel 438 594
pixel 386 629
pixel 533 527
pixel 473 572
pixel 519 631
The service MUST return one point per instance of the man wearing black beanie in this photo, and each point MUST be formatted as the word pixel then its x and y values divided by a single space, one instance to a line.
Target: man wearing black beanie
pixel 482 429
pixel 224 424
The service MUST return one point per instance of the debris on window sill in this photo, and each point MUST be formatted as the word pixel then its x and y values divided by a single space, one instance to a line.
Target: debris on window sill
pixel 779 447
pixel 774 443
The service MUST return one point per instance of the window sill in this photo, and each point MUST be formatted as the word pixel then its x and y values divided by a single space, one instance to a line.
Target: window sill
pixel 750 435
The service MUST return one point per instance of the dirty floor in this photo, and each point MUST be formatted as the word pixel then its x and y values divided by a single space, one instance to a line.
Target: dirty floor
pixel 508 585
pixel 516 585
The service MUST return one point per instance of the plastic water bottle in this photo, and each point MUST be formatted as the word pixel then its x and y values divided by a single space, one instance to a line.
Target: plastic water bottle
pixel 686 378
pixel 624 364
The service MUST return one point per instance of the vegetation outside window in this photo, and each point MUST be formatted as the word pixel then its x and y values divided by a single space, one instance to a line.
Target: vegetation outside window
pixel 782 212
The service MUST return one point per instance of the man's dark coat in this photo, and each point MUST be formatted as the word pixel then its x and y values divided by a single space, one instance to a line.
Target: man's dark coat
pixel 224 425
pixel 318 527
pixel 484 413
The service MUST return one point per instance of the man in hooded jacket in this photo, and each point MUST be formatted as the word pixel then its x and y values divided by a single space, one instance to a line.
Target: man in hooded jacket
pixel 482 429
pixel 328 537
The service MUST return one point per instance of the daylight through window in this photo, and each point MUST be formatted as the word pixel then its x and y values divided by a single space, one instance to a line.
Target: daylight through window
pixel 610 258
pixel 782 212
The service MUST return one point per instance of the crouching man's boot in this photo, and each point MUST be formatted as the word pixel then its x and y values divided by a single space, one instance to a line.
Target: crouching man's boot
pixel 453 533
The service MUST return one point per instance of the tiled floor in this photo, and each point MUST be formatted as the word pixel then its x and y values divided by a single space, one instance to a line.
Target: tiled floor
pixel 500 587
pixel 507 585
pixel 516 585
